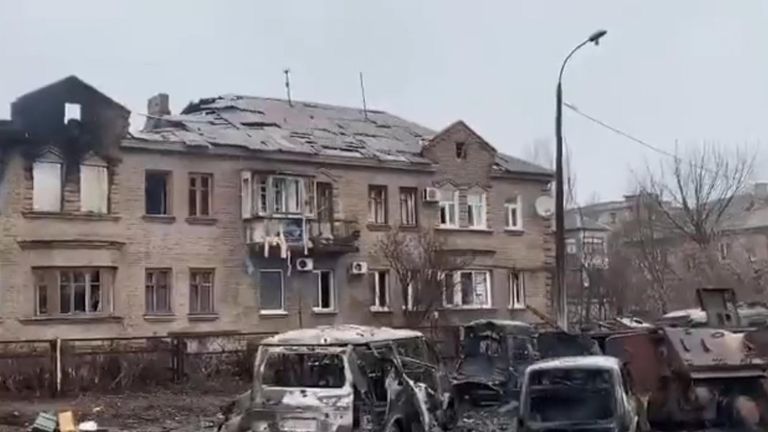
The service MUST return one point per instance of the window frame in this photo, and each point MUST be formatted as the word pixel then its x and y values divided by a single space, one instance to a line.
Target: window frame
pixel 272 195
pixel 102 206
pixel 372 204
pixel 376 285
pixel 513 205
pixel 167 195
pixel 317 307
pixel 195 271
pixel 482 207
pixel 283 309
pixel 453 202
pixel 198 191
pixel 407 192
pixel 38 202
pixel 169 281
pixel 49 283
pixel 517 282
pixel 456 289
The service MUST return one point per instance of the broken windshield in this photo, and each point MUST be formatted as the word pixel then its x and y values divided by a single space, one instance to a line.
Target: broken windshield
pixel 319 370
pixel 481 346
pixel 571 395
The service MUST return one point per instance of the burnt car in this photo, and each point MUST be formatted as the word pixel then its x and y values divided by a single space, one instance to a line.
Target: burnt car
pixel 494 354
pixel 584 393
pixel 345 378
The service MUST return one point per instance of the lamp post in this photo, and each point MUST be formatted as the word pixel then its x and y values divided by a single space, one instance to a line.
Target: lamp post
pixel 561 303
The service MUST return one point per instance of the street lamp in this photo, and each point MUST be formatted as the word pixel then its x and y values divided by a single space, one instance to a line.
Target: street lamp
pixel 561 303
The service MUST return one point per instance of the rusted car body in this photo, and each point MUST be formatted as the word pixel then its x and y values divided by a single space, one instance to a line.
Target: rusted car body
pixel 696 378
pixel 345 378
pixel 494 354
pixel 584 393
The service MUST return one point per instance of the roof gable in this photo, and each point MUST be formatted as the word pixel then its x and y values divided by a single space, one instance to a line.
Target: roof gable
pixel 66 85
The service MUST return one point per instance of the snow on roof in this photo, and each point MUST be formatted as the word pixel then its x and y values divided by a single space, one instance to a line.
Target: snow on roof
pixel 346 334
pixel 577 362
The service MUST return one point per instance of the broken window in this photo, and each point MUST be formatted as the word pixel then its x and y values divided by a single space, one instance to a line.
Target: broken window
pixel 246 194
pixel 379 283
pixel 80 291
pixel 512 214
pixel 201 291
pixel 516 290
pixel 46 186
pixel 325 297
pixel 41 293
pixel 271 291
pixel 377 204
pixel 559 395
pixel 408 206
pixel 94 187
pixel 288 193
pixel 158 291
pixel 461 150
pixel 594 245
pixel 200 186
pixel 476 216
pixel 71 112
pixel 304 369
pixel 449 204
pixel 467 288
pixel 157 192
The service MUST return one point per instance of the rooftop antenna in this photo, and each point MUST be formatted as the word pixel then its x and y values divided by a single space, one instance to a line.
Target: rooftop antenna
pixel 362 90
pixel 287 73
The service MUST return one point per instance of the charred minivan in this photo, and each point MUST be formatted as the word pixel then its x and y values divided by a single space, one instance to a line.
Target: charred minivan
pixel 346 378
pixel 585 393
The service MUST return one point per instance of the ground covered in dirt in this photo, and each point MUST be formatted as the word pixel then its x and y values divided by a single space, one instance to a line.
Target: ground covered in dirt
pixel 154 411
pixel 178 410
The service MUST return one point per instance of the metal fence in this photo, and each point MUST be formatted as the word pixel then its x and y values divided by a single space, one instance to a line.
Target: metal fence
pixel 203 360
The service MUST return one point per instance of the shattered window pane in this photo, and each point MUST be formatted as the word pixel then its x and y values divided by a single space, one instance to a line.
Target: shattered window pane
pixel 313 370
pixel 271 290
pixel 41 290
pixel 378 280
pixel 449 202
pixel 408 206
pixel 200 194
pixel 158 291
pixel 288 193
pixel 377 204
pixel 571 395
pixel 324 298
pixel 476 210
pixel 156 193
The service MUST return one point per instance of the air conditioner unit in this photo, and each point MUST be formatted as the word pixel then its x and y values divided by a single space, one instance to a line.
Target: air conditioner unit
pixel 304 264
pixel 431 195
pixel 359 267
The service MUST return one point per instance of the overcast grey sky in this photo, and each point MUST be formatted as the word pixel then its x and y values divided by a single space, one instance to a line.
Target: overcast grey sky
pixel 688 70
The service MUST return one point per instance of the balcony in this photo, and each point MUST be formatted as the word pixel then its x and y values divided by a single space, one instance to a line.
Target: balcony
pixel 316 236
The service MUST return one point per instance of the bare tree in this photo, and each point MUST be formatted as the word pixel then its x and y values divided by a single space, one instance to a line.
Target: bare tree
pixel 540 152
pixel 419 261
pixel 695 191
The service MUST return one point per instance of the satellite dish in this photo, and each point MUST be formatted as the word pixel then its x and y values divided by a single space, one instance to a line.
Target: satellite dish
pixel 545 206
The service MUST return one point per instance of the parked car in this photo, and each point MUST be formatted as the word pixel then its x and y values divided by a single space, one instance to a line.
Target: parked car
pixel 494 354
pixel 345 378
pixel 583 393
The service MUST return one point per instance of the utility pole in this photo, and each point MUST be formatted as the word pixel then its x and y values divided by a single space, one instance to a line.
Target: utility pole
pixel 287 73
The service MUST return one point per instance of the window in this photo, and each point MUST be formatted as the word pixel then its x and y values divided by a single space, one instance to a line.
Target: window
pixel 476 210
pixel 461 150
pixel 71 111
pixel 408 206
pixel 94 188
pixel 570 246
pixel 594 245
pixel 467 288
pixel 72 291
pixel 514 220
pixel 613 217
pixel 288 194
pixel 449 204
pixel 46 186
pixel 156 192
pixel 379 282
pixel 326 296
pixel 271 292
pixel 158 291
pixel 200 186
pixel 516 290
pixel 201 291
pixel 377 205
pixel 723 249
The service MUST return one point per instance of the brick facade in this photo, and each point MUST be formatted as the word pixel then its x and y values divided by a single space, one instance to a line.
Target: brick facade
pixel 129 242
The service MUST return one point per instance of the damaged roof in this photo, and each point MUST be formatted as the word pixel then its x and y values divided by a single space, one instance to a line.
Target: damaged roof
pixel 268 124
pixel 346 334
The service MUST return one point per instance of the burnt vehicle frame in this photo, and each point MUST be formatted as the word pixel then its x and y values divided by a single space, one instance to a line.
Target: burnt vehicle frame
pixel 580 393
pixel 380 379
pixel 494 355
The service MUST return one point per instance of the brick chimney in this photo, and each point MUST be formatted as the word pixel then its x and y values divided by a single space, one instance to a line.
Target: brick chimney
pixel 157 106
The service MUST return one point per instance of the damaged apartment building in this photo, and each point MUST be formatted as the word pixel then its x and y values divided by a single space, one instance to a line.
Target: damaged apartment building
pixel 250 214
